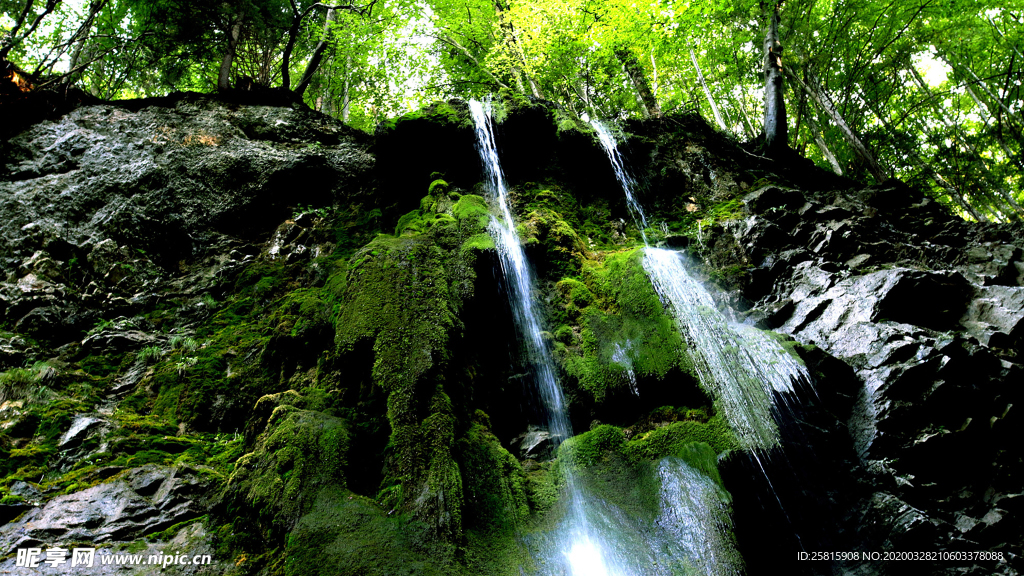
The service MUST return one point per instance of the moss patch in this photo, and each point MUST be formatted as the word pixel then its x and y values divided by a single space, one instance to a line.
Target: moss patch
pixel 299 452
pixel 617 323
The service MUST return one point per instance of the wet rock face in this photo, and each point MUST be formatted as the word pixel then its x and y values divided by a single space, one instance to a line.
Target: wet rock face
pixel 108 214
pixel 929 312
pixel 164 179
pixel 143 501
pixel 103 204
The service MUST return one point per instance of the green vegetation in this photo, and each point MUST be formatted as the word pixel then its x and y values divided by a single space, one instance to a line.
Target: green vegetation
pixel 683 438
pixel 611 320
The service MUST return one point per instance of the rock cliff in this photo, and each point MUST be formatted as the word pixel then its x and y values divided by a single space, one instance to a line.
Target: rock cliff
pixel 250 332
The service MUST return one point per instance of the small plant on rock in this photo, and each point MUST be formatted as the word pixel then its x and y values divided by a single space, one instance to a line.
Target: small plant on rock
pixel 186 344
pixel 185 363
pixel 149 354
pixel 26 383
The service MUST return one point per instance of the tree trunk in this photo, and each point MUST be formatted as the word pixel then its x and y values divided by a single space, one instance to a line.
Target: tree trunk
pixel 821 98
pixel 345 101
pixel 286 56
pixel 318 53
pixel 1014 208
pixel 819 140
pixel 1010 113
pixel 776 133
pixel 954 192
pixel 80 40
pixel 750 132
pixel 520 72
pixel 711 100
pixel 224 79
pixel 637 76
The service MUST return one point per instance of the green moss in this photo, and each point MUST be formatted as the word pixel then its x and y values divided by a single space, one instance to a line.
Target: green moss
pixel 401 298
pixel 169 534
pixel 667 440
pixel 695 222
pixel 541 487
pixel 621 325
pixel 562 249
pixel 587 449
pixel 790 345
pixel 493 483
pixel 352 535
pixel 298 452
pixel 674 439
pixel 439 112
pixel 471 211
pixel 437 187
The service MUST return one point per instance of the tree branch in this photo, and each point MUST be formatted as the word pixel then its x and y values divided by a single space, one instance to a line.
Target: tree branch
pixel 12 40
pixel 469 55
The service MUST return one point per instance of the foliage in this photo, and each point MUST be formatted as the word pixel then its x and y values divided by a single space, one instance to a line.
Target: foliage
pixel 926 91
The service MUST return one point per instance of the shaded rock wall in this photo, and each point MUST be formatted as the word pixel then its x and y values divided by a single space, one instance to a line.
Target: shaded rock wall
pixel 208 293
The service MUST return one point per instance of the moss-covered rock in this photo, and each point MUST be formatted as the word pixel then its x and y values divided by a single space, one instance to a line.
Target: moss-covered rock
pixel 494 483
pixel 299 453
pixel 403 296
pixel 618 325
pixel 666 439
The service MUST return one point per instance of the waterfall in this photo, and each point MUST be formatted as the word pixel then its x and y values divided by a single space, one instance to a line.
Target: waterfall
pixel 742 368
pixel 690 531
pixel 582 554
pixel 628 184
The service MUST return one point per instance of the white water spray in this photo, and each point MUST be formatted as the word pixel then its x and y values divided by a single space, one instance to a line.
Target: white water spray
pixel 741 367
pixel 584 556
pixel 691 532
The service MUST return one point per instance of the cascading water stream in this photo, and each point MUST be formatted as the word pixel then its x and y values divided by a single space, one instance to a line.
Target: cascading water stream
pixel 742 368
pixel 582 553
pixel 691 529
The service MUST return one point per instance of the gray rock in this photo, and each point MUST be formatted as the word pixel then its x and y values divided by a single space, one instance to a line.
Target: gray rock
pixel 996 315
pixel 81 427
pixel 191 542
pixel 534 444
pixel 140 502
pixel 103 256
pixel 169 179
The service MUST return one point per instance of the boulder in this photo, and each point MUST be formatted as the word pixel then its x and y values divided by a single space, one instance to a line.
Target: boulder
pixel 142 501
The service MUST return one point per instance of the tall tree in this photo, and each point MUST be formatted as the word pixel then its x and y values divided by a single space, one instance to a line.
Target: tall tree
pixel 776 132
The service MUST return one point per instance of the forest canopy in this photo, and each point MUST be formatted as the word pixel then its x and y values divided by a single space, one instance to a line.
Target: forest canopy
pixel 922 90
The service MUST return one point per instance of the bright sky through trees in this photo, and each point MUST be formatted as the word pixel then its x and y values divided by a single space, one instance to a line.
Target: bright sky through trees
pixel 922 90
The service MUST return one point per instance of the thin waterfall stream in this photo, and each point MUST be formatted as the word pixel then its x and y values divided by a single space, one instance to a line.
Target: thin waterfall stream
pixel 742 368
pixel 583 555
pixel 691 529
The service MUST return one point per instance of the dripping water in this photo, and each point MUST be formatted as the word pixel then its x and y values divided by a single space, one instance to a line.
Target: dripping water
pixel 692 530
pixel 742 368
pixel 767 396
pixel 583 554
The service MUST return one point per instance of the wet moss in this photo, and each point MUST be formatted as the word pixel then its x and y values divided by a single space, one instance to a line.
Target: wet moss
pixel 442 113
pixel 587 449
pixel 299 452
pixel 401 298
pixel 493 483
pixel 671 440
pixel 666 439
pixel 621 326
pixel 541 486
pixel 353 535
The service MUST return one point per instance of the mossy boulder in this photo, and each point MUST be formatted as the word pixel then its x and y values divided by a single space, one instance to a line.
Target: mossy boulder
pixel 616 324
pixel 675 439
pixel 493 483
pixel 299 453
pixel 402 299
